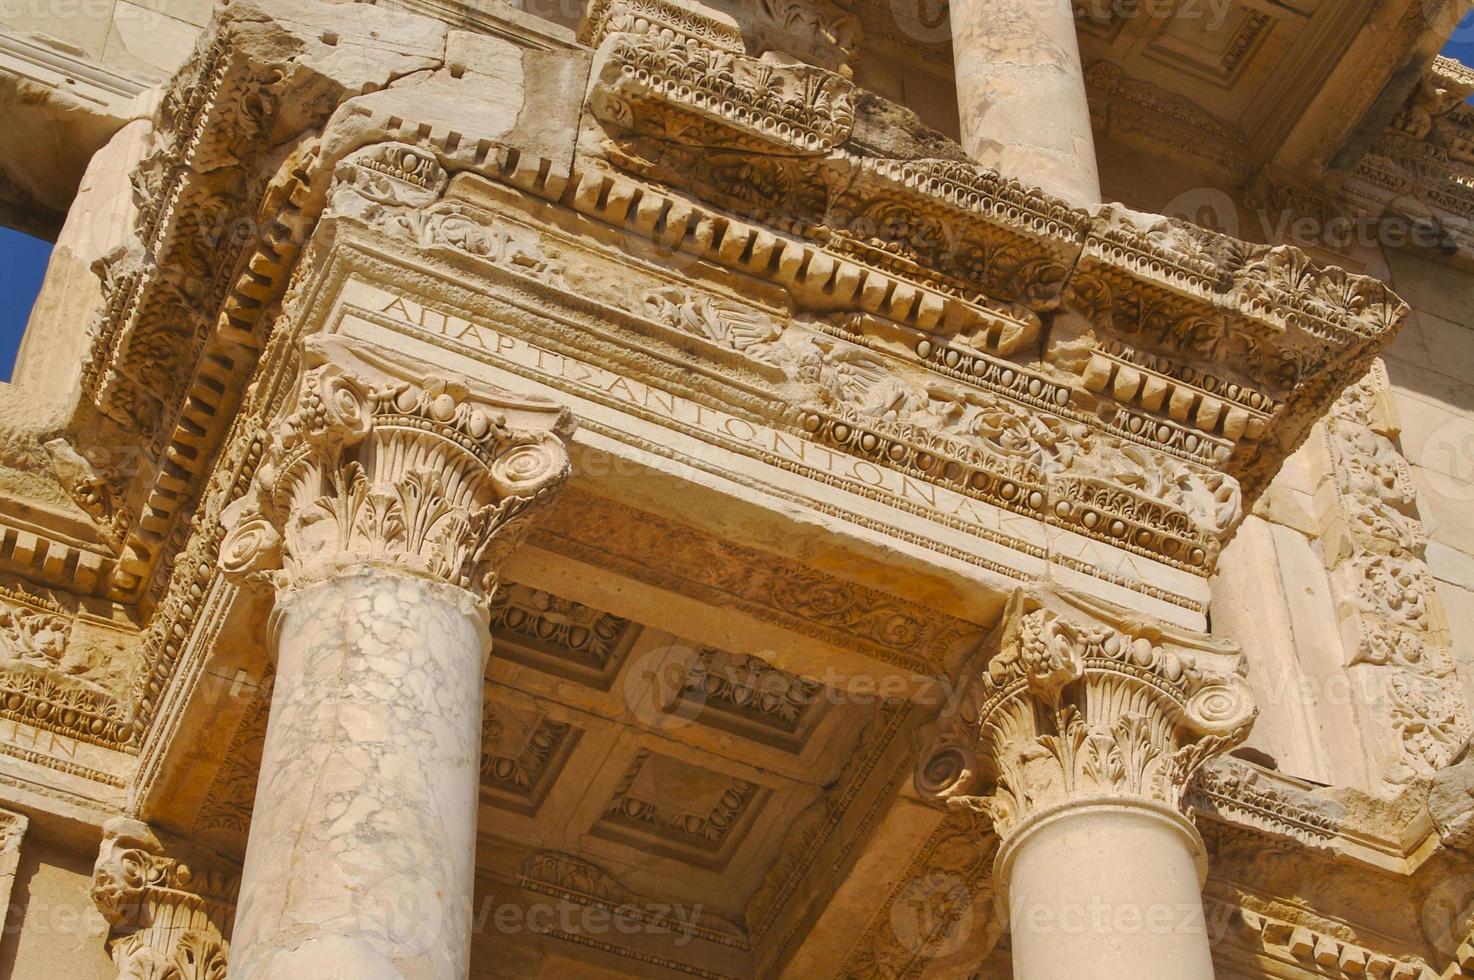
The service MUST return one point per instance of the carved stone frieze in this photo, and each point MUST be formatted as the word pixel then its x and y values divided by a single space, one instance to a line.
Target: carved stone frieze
pixel 940 907
pixel 431 476
pixel 821 32
pixel 1310 950
pixel 169 918
pixel 763 584
pixel 1421 167
pixel 1076 707
pixel 1242 344
pixel 559 636
pixel 1393 627
pixel 232 794
pixel 752 696
pixel 572 879
pixel 522 752
pixel 804 110
pixel 703 822
pixel 33 636
pixel 815 831
pixel 1245 795
pixel 722 322
pixel 51 680
pixel 1141 112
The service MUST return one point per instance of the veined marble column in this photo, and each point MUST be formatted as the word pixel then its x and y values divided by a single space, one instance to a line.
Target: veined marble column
pixel 1078 739
pixel 379 514
pixel 1021 94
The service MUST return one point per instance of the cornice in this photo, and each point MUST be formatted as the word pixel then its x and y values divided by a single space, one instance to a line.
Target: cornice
pixel 1268 318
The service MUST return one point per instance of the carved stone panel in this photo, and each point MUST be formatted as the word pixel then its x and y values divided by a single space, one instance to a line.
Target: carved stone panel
pixel 680 809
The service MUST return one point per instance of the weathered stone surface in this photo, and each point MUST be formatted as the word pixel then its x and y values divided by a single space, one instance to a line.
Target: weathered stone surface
pixel 923 556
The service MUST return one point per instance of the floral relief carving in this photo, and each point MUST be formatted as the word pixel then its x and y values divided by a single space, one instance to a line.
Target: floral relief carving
pixel 581 631
pixel 522 751
pixel 1392 621
pixel 54 678
pixel 804 109
pixel 751 686
pixel 1072 707
pixel 1246 341
pixel 233 792
pixel 720 321
pixel 821 32
pixel 168 919
pixel 430 475
pixel 35 637
pixel 1268 801
pixel 763 583
pixel 701 820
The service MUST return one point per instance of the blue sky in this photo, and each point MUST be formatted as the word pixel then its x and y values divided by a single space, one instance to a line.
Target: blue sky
pixel 23 258
pixel 1461 45
pixel 22 264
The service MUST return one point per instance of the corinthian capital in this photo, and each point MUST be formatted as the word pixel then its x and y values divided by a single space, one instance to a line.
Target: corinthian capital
pixel 377 461
pixel 1077 705
pixel 167 918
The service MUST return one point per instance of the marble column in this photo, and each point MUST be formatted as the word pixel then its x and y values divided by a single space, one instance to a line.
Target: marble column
pixel 1078 738
pixel 379 515
pixel 1021 94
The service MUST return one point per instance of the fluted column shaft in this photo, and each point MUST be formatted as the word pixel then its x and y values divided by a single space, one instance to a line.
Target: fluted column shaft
pixel 1021 94
pixel 383 506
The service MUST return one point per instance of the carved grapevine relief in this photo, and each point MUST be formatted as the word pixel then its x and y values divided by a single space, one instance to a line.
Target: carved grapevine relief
pixel 1392 621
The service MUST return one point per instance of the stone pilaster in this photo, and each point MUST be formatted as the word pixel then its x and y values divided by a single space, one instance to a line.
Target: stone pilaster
pixel 384 504
pixel 13 828
pixel 1078 739
pixel 1021 94
pixel 169 916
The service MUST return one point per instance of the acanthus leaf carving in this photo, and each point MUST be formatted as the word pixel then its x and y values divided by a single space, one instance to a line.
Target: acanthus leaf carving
pixel 168 918
pixel 433 476
pixel 1392 621
pixel 1076 707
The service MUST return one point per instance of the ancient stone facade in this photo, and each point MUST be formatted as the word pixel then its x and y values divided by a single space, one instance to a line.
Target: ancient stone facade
pixel 740 489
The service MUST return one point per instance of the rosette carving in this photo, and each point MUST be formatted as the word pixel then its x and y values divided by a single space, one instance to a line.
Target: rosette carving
pixel 379 462
pixel 168 918
pixel 1074 705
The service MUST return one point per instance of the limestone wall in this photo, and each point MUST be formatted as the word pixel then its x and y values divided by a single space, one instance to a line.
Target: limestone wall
pixel 71 73
pixel 53 929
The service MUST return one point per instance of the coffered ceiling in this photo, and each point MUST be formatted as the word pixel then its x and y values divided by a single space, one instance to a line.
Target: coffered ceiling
pixel 1225 86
